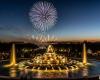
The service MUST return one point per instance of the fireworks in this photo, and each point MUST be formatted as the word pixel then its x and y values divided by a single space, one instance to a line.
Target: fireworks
pixel 43 38
pixel 43 16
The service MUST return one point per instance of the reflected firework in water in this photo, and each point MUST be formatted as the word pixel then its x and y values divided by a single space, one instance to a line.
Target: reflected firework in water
pixel 43 16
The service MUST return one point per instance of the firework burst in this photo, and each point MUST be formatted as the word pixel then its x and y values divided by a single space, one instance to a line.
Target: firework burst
pixel 43 16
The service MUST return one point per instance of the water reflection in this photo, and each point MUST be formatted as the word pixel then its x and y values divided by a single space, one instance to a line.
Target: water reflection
pixel 67 74
pixel 85 71
pixel 25 73
pixel 47 74
pixel 39 74
pixel 12 72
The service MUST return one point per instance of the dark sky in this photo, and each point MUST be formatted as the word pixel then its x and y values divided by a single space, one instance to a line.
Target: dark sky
pixel 77 19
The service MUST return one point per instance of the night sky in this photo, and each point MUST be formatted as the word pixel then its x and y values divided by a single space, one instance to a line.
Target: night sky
pixel 77 19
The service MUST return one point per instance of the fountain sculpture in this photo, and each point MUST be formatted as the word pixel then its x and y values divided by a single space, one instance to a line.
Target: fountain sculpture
pixel 50 61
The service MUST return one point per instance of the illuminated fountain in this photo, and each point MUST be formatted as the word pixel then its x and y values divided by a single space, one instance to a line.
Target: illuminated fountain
pixel 50 58
pixel 50 65
pixel 50 61
pixel 84 55
pixel 12 58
